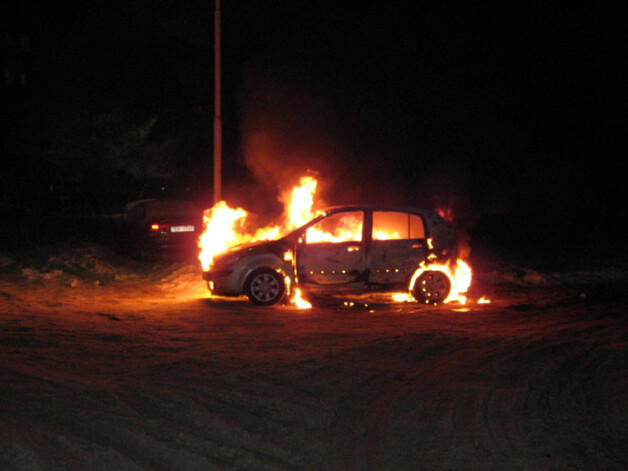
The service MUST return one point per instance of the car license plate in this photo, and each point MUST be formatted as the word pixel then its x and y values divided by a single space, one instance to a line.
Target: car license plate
pixel 181 228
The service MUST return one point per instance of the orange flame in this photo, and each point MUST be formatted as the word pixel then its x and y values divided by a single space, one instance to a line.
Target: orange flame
pixel 402 297
pixel 220 232
pixel 298 300
pixel 224 226
pixel 300 203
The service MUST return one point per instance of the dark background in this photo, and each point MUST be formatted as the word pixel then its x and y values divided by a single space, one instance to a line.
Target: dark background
pixel 506 116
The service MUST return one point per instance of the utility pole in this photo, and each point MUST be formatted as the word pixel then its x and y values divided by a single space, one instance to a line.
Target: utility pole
pixel 217 109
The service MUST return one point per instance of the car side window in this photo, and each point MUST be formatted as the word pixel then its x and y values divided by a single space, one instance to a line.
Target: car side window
pixel 339 227
pixel 395 225
pixel 417 229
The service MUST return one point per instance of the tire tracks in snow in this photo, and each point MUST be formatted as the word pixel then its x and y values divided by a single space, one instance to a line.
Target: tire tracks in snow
pixel 541 401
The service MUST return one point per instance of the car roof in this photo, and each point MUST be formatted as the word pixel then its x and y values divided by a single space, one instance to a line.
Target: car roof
pixel 374 207
pixel 155 209
pixel 430 215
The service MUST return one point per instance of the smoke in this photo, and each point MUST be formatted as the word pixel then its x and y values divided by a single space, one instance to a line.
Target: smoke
pixel 299 119
pixel 287 126
pixel 462 193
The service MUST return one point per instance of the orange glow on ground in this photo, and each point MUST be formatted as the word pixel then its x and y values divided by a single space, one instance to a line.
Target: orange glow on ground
pixel 402 297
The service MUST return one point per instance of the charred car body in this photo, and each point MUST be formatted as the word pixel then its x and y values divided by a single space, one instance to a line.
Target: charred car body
pixel 346 249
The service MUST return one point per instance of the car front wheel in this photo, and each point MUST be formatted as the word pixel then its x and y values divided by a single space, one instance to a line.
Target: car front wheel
pixel 265 287
pixel 432 286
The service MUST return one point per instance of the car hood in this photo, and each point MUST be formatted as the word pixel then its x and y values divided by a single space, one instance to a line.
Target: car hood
pixel 260 245
pixel 277 247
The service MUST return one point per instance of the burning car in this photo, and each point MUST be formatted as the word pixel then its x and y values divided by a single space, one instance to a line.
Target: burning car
pixel 348 249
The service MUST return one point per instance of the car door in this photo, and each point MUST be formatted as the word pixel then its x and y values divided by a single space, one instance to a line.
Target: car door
pixel 331 252
pixel 397 246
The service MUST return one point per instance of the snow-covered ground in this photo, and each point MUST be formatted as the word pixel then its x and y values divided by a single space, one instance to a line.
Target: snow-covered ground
pixel 108 363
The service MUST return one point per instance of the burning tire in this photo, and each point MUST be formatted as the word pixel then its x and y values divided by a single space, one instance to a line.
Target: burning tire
pixel 431 286
pixel 265 287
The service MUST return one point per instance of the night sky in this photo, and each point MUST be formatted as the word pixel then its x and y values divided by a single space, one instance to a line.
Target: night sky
pixel 505 114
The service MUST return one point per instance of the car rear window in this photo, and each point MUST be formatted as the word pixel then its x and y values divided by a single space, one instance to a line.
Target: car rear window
pixel 171 209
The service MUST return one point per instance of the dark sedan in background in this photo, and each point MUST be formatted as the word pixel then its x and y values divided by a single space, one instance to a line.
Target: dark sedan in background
pixel 161 229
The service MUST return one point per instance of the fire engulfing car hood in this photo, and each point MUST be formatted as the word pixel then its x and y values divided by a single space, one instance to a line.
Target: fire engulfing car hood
pixel 277 247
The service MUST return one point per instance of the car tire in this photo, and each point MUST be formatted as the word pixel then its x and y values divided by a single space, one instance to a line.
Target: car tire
pixel 431 287
pixel 265 287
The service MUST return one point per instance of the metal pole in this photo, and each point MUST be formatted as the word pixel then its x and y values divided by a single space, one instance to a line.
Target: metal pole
pixel 217 109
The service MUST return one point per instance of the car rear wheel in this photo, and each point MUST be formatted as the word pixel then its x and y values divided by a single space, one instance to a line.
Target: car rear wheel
pixel 432 286
pixel 265 287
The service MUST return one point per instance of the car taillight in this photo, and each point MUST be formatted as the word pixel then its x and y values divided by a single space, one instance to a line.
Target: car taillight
pixel 160 227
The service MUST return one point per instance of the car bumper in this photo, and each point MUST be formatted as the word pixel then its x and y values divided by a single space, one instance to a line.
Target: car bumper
pixel 223 282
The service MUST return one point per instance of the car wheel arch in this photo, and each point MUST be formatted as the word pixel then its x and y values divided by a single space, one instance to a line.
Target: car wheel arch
pixel 266 262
